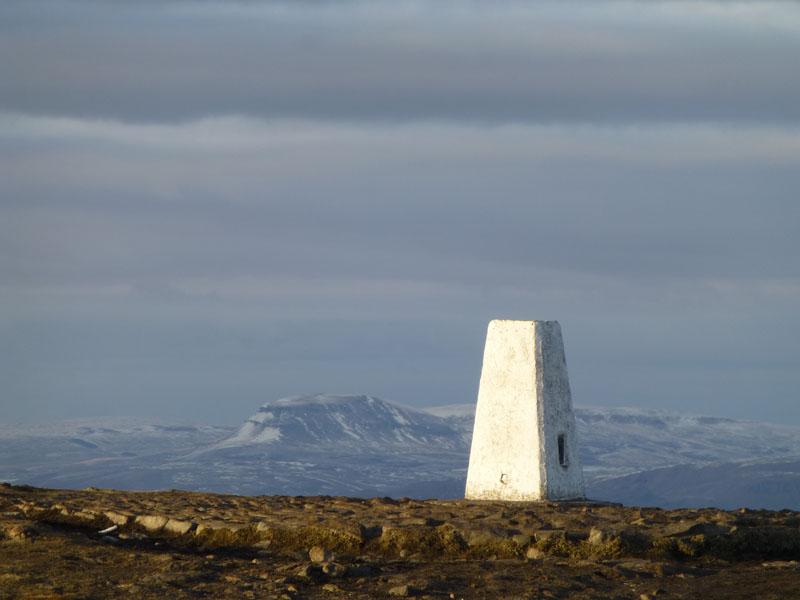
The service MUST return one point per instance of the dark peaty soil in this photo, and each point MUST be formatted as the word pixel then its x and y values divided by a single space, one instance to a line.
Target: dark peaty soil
pixel 111 544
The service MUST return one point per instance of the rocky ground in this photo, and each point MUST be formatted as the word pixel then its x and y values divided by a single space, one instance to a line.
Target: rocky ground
pixel 110 544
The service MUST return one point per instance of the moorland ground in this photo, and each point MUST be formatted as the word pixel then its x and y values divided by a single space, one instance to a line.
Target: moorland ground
pixel 98 543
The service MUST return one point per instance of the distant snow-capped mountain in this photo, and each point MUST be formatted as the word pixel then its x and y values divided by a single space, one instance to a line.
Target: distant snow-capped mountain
pixel 360 422
pixel 353 445
pixel 364 446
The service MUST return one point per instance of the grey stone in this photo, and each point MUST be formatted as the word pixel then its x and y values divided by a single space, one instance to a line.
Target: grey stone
pixel 403 590
pixel 600 535
pixel 319 554
pixel 178 526
pixel 152 522
pixel 484 537
pixel 117 518
pixel 533 553
pixel 19 533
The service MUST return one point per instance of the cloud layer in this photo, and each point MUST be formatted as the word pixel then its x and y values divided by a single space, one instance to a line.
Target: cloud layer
pixel 498 61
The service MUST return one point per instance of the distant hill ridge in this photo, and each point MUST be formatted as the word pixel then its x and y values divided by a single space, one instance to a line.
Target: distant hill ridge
pixel 361 445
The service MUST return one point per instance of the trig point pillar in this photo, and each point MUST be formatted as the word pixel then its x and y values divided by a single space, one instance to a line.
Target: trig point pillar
pixel 525 444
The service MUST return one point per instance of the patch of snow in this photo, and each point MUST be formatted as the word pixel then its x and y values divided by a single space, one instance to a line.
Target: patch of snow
pixel 263 417
pixel 342 421
pixel 452 410
pixel 398 418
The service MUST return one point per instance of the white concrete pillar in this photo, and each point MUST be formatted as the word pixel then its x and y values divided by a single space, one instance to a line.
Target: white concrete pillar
pixel 525 444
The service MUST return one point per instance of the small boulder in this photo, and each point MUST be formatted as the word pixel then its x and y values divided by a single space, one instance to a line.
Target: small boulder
pixel 84 515
pixel 19 533
pixel 152 522
pixel 404 590
pixel 347 532
pixel 117 518
pixel 600 535
pixel 178 526
pixel 319 554
pixel 533 553
pixel 484 536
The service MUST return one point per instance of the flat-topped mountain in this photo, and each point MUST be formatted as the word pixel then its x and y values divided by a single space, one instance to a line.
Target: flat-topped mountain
pixel 340 421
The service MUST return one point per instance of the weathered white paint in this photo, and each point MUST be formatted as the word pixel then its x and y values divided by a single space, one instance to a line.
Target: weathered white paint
pixel 524 405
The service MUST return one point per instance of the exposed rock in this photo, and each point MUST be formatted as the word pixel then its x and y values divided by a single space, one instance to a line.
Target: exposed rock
pixel 413 522
pixel 320 554
pixel 19 533
pixel 404 590
pixel 533 553
pixel 696 528
pixel 177 526
pixel 86 515
pixel 349 532
pixel 211 527
pixel 151 522
pixel 117 518
pixel 600 535
pixel 484 536
pixel 782 564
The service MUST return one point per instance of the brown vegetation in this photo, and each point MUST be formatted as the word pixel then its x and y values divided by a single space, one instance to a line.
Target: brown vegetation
pixel 107 544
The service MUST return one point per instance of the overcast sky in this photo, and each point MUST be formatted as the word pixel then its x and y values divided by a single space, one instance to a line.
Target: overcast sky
pixel 205 206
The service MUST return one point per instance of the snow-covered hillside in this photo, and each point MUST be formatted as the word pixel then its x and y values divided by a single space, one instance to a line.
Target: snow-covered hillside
pixel 364 446
pixel 124 453
pixel 339 445
pixel 358 422
pixel 616 441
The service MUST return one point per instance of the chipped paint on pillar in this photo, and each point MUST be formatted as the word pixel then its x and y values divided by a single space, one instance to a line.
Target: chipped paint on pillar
pixel 524 409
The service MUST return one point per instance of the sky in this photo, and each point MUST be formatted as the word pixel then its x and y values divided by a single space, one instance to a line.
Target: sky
pixel 209 205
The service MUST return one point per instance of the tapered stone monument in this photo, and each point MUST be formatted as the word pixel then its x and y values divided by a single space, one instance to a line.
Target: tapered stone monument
pixel 525 443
